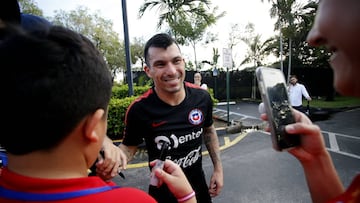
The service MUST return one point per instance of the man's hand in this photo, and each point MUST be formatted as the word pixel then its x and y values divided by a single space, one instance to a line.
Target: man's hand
pixel 112 163
pixel 216 183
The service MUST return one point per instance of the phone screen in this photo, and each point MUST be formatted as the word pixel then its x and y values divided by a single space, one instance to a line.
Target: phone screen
pixel 275 97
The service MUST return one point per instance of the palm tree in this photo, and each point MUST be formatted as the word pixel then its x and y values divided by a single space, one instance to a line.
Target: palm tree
pixel 187 19
pixel 294 22
pixel 171 9
pixel 283 10
pixel 257 50
pixel 256 53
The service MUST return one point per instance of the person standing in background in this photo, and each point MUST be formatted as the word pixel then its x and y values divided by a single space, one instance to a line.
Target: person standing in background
pixel 296 93
pixel 197 81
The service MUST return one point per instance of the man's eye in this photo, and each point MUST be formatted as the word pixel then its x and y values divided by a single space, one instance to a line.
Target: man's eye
pixel 159 65
pixel 177 61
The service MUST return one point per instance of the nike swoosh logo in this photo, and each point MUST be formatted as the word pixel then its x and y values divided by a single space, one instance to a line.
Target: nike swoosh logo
pixel 157 124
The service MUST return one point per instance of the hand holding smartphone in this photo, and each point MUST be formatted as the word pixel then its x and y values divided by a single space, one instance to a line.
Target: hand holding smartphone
pixel 159 164
pixel 272 86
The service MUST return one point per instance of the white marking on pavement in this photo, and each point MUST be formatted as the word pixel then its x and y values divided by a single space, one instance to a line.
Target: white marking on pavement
pixel 342 135
pixel 238 114
pixel 225 103
pixel 344 153
pixel 333 142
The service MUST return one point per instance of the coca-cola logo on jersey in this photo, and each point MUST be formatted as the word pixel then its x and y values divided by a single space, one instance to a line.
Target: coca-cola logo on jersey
pixel 189 159
pixel 175 142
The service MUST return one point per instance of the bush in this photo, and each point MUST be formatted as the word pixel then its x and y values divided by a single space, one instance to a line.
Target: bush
pixel 116 117
pixel 118 105
pixel 122 91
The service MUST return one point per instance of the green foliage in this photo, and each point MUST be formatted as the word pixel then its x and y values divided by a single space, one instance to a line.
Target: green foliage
pixel 144 80
pixel 339 102
pixel 211 92
pixel 99 30
pixel 30 7
pixel 216 56
pixel 137 50
pixel 295 20
pixel 122 91
pixel 116 116
pixel 139 90
pixel 118 105
pixel 170 9
pixel 189 66
pixel 187 20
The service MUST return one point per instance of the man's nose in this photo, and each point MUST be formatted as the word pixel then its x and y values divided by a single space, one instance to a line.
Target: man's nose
pixel 315 37
pixel 171 68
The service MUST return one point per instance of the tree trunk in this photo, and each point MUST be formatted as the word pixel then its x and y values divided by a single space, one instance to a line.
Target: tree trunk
pixel 289 68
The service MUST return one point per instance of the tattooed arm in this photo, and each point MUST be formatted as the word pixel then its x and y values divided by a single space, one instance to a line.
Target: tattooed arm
pixel 212 145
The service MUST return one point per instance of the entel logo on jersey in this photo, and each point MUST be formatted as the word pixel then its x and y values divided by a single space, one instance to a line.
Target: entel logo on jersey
pixel 196 117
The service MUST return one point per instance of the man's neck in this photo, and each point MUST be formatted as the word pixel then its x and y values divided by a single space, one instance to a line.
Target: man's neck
pixel 173 98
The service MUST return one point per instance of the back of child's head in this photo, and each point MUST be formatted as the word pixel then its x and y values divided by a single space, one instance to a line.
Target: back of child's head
pixel 52 79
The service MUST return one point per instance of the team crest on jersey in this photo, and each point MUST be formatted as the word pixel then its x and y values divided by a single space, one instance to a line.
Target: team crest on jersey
pixel 196 117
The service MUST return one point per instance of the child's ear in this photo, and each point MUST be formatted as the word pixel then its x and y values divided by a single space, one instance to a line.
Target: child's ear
pixel 92 123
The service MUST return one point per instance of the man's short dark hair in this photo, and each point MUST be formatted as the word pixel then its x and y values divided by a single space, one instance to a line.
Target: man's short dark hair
pixel 161 40
pixel 293 76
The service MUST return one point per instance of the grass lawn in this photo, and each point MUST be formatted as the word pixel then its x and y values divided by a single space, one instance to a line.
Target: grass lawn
pixel 339 102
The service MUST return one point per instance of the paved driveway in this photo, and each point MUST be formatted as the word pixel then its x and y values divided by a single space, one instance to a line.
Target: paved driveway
pixel 254 172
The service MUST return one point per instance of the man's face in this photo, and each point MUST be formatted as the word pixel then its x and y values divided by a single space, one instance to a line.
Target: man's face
pixel 293 80
pixel 337 26
pixel 167 69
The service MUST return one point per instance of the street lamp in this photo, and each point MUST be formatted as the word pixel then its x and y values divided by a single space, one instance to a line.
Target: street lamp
pixel 127 49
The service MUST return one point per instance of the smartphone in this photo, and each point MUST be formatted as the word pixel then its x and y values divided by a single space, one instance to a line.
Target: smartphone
pixel 274 94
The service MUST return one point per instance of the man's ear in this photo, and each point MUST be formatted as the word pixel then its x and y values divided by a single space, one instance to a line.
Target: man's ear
pixel 147 71
pixel 92 123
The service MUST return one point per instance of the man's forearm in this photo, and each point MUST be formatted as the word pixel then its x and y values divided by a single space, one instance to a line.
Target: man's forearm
pixel 212 145
pixel 322 179
pixel 129 151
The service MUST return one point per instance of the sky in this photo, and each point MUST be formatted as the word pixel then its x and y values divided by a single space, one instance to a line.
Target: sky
pixel 242 13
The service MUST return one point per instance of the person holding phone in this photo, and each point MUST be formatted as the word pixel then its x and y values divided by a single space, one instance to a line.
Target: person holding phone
pixel 337 27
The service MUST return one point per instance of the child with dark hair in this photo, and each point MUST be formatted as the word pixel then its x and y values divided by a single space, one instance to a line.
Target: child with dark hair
pixel 56 91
